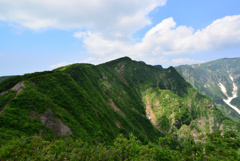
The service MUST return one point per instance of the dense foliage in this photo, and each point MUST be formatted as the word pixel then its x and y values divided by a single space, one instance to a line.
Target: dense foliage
pixel 216 147
pixel 4 77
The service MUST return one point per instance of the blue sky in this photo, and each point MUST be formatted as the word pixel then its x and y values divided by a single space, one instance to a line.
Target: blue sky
pixel 43 35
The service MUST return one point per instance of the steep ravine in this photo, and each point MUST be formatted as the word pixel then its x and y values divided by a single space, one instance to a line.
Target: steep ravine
pixel 234 94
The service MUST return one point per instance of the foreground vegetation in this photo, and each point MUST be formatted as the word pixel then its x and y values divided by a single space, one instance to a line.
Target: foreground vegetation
pixel 216 147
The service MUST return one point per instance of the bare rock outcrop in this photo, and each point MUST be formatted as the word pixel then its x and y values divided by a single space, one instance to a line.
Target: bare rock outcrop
pixel 18 87
pixel 52 122
pixel 113 106
pixel 55 124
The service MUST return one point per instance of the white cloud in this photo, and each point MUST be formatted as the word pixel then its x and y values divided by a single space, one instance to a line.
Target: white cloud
pixel 185 61
pixel 166 39
pixel 222 32
pixel 110 25
pixel 58 65
pixel 118 18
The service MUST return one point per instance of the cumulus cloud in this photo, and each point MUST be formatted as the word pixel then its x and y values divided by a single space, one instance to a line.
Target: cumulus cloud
pixel 222 32
pixel 165 39
pixel 106 28
pixel 168 39
pixel 117 18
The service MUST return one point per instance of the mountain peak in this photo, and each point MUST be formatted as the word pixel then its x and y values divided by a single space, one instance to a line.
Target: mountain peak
pixel 158 66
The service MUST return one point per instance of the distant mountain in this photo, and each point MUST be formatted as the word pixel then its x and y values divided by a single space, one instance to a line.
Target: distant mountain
pixel 218 79
pixel 96 103
pixel 3 78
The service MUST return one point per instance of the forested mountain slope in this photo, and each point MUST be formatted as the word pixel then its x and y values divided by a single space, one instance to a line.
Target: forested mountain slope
pixel 3 78
pixel 96 103
pixel 218 79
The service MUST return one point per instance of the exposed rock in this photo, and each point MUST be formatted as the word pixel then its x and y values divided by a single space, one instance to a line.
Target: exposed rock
pixel 211 123
pixel 113 106
pixel 120 72
pixel 55 124
pixel 118 124
pixel 18 87
pixel 195 133
pixel 149 112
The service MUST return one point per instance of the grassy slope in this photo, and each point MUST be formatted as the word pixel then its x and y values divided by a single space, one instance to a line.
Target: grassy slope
pixel 99 102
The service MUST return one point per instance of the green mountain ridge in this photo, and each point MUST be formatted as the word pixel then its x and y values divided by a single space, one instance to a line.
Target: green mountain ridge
pixel 207 76
pixel 4 77
pixel 97 103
